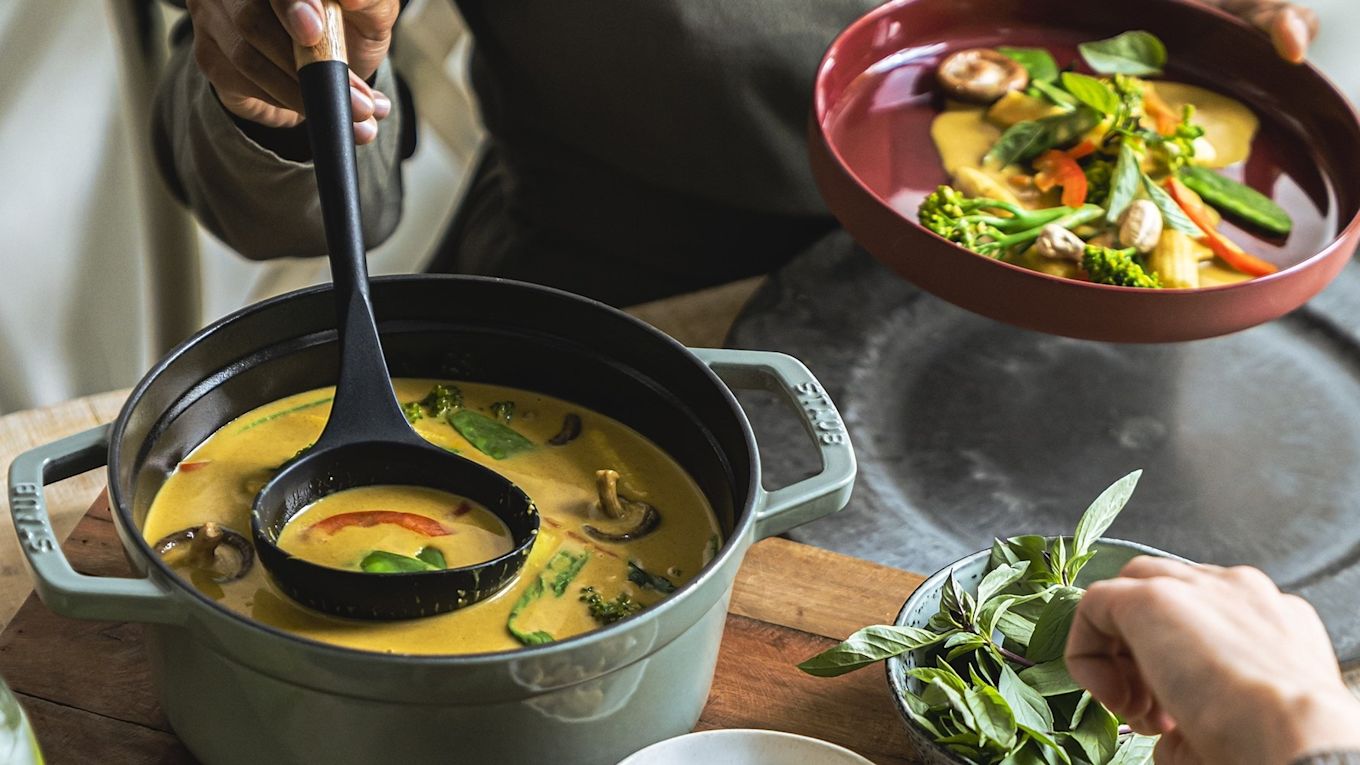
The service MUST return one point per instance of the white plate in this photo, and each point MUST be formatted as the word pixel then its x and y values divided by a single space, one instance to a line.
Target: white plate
pixel 744 747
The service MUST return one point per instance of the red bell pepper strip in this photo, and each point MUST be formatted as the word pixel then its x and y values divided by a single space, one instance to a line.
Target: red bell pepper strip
pixel 365 518
pixel 1222 246
pixel 1058 167
pixel 1085 148
pixel 189 467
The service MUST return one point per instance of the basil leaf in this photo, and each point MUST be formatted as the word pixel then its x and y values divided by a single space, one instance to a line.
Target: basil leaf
pixel 432 556
pixel 1050 632
pixel 1015 627
pixel 919 709
pixel 1037 61
pixel 1080 711
pixel 648 581
pixel 488 436
pixel 1172 214
pixel 1098 734
pixel 1136 52
pixel 868 646
pixel 1027 140
pixel 384 562
pixel 564 566
pixel 997 580
pixel 1237 199
pixel 1050 678
pixel 1103 511
pixel 1136 750
pixel 992 716
pixel 1029 548
pixel 1054 93
pixel 1050 749
pixel 1123 185
pixel 1091 92
pixel 1030 709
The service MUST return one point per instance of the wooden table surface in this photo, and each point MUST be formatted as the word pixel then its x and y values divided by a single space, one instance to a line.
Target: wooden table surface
pixel 88 690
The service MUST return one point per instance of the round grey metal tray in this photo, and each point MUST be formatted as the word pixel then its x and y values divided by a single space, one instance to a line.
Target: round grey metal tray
pixel 967 429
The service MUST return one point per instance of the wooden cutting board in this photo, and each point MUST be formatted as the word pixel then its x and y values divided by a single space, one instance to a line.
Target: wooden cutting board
pixel 87 685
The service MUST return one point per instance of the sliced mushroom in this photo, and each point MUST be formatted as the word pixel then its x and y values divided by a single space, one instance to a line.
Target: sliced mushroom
pixel 571 428
pixel 981 75
pixel 212 548
pixel 619 507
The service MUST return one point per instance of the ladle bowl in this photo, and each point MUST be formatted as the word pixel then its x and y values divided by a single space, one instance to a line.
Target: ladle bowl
pixel 367 440
pixel 874 160
pixel 363 595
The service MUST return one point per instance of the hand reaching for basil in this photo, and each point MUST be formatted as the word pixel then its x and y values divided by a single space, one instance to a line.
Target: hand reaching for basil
pixel 1218 661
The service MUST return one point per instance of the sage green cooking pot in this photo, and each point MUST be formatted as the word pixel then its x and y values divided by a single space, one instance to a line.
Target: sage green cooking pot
pixel 237 691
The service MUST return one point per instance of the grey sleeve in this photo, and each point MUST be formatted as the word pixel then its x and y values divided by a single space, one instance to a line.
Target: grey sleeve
pixel 1329 758
pixel 258 203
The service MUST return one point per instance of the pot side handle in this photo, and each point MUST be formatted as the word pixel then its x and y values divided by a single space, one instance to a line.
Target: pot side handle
pixel 59 586
pixel 811 498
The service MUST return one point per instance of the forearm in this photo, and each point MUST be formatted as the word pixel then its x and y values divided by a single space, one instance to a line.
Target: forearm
pixel 259 203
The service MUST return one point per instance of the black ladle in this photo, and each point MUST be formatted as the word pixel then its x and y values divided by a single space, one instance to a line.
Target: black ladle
pixel 367 439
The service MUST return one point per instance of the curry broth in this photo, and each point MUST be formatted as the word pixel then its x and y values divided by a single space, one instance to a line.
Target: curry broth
pixel 218 482
pixel 467 533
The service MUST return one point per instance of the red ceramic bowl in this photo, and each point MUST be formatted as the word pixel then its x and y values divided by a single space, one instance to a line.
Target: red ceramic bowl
pixel 874 161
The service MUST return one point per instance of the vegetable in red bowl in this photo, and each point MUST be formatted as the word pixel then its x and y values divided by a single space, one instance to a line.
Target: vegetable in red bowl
pixel 1281 214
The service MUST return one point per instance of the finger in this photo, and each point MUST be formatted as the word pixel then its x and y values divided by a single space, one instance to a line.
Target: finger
pixel 301 19
pixel 382 105
pixel 361 99
pixel 230 84
pixel 365 131
pixel 250 63
pixel 1291 30
pixel 1147 567
pixel 1173 749
pixel 261 28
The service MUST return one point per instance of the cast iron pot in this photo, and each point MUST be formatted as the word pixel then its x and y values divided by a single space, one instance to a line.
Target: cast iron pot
pixel 237 691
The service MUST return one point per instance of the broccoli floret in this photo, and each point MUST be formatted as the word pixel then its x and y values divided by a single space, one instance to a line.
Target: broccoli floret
pixel 413 411
pixel 1119 267
pixel 443 400
pixel 609 611
pixel 978 225
pixel 1099 173
pixel 503 410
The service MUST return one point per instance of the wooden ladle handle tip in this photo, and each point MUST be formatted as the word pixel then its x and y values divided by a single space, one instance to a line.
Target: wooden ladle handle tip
pixel 331 47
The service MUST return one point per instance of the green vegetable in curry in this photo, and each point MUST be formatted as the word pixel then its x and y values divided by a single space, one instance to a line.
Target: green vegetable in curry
pixel 649 581
pixel 562 568
pixel 1119 267
pixel 384 562
pixel 993 227
pixel 443 400
pixel 489 436
pixel 609 611
pixel 1237 199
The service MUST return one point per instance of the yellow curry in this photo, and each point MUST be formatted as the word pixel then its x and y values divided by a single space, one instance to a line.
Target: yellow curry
pixel 622 523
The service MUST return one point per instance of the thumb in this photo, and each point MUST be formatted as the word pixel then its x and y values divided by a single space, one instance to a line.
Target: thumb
pixel 302 19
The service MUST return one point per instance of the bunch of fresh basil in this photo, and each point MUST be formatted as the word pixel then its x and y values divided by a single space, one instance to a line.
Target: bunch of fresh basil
pixel 998 690
pixel 1085 100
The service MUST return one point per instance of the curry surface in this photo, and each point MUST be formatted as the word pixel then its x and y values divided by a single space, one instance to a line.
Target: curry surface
pixel 231 465
pixel 473 533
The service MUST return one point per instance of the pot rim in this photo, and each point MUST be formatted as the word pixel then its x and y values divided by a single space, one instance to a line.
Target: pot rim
pixel 729 549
